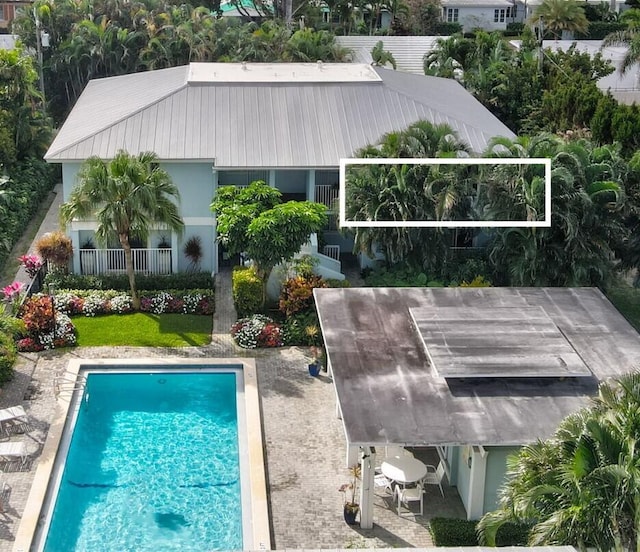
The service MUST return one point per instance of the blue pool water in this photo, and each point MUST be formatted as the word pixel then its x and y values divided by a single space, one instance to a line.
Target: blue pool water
pixel 153 465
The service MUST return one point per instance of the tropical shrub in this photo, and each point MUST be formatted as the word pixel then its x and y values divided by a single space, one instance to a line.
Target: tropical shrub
pixel 8 355
pixel 460 532
pixel 247 291
pixel 302 329
pixel 297 293
pixel 257 331
pixel 56 248
pixel 46 328
pixel 32 264
pixel 478 281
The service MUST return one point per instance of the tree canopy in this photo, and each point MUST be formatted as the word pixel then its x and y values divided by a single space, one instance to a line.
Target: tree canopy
pixel 253 220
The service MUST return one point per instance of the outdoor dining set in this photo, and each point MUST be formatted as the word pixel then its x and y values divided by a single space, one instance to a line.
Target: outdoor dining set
pixel 405 477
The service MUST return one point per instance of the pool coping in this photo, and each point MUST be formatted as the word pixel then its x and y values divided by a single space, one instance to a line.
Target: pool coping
pixel 31 517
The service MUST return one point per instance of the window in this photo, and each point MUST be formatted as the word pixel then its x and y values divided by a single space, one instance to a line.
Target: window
pixel 512 12
pixel 499 15
pixel 452 15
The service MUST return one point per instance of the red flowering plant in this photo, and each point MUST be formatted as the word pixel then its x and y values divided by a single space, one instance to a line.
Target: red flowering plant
pixel 270 336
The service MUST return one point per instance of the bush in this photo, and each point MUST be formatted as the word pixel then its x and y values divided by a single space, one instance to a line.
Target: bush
pixel 8 356
pixel 302 329
pixel 45 332
pixel 599 29
pixel 247 291
pixel 515 28
pixel 460 532
pixel 444 28
pixel 453 532
pixel 297 293
pixel 257 331
pixel 56 248
pixel 144 282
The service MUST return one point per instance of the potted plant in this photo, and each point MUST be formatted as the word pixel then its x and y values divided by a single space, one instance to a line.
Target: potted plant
pixel 349 490
pixel 88 257
pixel 318 360
pixel 164 256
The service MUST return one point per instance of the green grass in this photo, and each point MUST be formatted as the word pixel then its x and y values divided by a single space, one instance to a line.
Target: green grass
pixel 627 300
pixel 144 330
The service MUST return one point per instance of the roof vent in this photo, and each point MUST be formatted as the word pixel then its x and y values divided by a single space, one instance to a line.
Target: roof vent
pixel 244 65
pixel 319 64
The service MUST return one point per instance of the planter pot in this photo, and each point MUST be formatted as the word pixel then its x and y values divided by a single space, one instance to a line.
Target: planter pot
pixel 314 369
pixel 350 514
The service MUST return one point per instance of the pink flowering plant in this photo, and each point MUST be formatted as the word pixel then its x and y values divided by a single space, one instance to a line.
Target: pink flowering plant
pixel 32 264
pixel 13 294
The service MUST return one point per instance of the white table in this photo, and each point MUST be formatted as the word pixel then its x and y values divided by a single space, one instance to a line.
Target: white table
pixel 403 469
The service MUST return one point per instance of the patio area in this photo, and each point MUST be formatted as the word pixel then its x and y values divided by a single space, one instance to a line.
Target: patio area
pixel 304 441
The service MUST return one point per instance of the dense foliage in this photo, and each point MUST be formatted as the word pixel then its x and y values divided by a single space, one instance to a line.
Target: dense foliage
pixel 460 532
pixel 120 282
pixel 246 289
pixel 105 38
pixel 582 486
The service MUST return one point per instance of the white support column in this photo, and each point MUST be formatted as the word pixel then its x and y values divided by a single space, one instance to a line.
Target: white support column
pixel 272 178
pixel 311 185
pixel 476 482
pixel 176 252
pixel 74 235
pixel 367 472
pixel 353 453
pixel 214 242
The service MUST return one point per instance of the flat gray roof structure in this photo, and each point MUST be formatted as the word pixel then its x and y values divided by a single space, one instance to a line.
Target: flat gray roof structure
pixel 287 115
pixel 390 393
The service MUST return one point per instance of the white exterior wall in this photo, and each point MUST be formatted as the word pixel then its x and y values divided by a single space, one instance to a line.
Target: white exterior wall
pixel 480 18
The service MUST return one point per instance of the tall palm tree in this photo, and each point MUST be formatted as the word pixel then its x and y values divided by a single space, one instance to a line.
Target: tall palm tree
pixel 561 15
pixel 127 196
pixel 582 486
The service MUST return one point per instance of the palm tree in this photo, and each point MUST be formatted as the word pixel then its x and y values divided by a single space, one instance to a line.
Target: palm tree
pixel 561 15
pixel 582 486
pixel 629 38
pixel 586 215
pixel 127 195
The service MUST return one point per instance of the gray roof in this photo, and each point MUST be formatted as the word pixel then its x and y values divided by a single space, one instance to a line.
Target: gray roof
pixel 246 124
pixel 408 51
pixel 389 393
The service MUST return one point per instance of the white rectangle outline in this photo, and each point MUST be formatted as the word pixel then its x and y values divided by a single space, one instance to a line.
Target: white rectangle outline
pixel 545 223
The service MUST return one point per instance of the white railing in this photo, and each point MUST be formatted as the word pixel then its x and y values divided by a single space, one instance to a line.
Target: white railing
pixel 104 261
pixel 327 194
pixel 332 251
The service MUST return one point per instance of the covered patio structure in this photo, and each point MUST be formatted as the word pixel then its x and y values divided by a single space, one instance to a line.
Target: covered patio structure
pixel 475 372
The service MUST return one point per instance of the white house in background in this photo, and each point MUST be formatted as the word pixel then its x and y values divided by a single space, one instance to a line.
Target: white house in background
pixel 530 6
pixel 215 124
pixel 490 15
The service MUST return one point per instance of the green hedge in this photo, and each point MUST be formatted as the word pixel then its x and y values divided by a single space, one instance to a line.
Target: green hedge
pixel 597 30
pixel 446 29
pixel 247 291
pixel 460 532
pixel 30 182
pixel 120 282
pixel 8 356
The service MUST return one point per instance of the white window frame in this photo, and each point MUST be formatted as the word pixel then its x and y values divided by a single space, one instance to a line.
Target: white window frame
pixel 452 15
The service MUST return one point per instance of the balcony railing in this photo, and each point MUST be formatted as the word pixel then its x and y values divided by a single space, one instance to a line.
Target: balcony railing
pixel 110 261
pixel 327 194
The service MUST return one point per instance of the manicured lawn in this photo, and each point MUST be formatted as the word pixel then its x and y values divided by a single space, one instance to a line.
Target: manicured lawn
pixel 144 330
pixel 627 300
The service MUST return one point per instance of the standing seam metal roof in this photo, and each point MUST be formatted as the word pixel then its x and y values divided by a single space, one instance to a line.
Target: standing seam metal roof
pixel 245 125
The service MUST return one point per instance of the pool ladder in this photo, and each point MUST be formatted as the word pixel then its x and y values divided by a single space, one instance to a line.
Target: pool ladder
pixel 66 385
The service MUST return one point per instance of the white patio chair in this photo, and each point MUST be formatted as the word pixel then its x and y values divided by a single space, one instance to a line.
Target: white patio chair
pixel 412 494
pixel 435 476
pixel 12 452
pixel 381 481
pixel 14 418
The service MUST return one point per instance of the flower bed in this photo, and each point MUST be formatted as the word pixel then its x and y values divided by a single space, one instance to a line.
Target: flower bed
pixel 95 302
pixel 257 331
pixel 46 328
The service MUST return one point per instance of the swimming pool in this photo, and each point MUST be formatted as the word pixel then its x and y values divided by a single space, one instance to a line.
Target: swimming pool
pixel 156 458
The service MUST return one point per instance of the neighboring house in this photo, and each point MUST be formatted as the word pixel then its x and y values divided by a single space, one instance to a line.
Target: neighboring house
pixel 214 124
pixel 8 11
pixel 530 6
pixel 474 372
pixel 624 88
pixel 8 41
pixel 408 51
pixel 490 15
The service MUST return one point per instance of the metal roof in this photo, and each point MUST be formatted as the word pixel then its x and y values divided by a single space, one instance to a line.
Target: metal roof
pixel 476 3
pixel 262 124
pixel 408 51
pixel 390 394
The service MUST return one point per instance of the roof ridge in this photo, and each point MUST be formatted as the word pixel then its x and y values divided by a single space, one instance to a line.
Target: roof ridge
pixel 140 109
